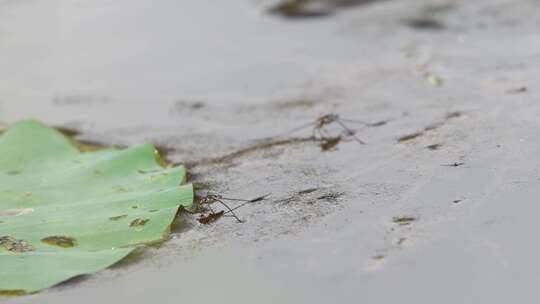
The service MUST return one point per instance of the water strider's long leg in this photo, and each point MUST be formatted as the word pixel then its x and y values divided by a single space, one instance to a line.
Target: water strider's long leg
pixel 302 127
pixel 260 198
pixel 230 210
pixel 354 121
pixel 350 132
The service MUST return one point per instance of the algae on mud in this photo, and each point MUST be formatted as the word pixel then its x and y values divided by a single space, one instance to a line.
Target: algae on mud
pixel 57 211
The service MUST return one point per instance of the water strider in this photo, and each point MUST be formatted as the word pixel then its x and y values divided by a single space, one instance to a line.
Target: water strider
pixel 320 124
pixel 216 198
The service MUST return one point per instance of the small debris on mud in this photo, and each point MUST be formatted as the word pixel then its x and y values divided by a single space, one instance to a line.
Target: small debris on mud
pixel 409 137
pixel 404 220
pixel 258 199
pixel 298 9
pixel 378 257
pixel 430 127
pixel 330 144
pixel 331 196
pixel 307 191
pixel 425 24
pixel 434 147
pixel 517 90
pixel 377 124
pixel 296 103
pixel 454 114
pixel 456 164
pixel 183 105
pixel 433 79
pixel 457 201
pixel 60 241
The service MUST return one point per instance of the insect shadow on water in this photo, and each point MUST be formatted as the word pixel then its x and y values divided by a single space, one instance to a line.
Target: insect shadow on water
pixel 213 216
pixel 328 141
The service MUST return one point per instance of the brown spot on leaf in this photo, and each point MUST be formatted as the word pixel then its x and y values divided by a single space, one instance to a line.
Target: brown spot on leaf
pixel 116 218
pixel 60 241
pixel 13 245
pixel 138 222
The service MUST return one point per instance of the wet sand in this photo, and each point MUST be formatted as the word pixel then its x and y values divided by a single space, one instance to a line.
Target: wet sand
pixel 438 207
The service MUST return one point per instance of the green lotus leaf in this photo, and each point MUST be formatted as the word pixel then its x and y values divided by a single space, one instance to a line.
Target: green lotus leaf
pixel 65 213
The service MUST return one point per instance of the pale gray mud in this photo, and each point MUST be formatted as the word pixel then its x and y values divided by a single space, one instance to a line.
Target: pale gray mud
pixel 440 205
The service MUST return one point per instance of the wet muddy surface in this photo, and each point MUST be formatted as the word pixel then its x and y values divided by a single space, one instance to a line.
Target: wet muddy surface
pixel 438 206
